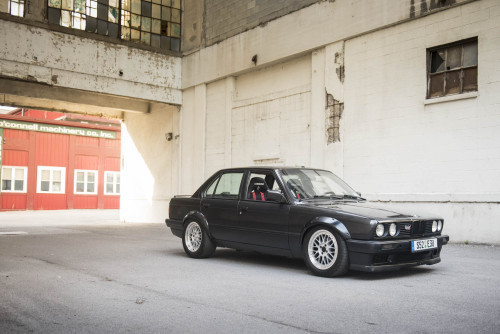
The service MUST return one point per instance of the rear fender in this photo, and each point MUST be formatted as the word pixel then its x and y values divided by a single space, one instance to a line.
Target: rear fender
pixel 328 222
pixel 199 217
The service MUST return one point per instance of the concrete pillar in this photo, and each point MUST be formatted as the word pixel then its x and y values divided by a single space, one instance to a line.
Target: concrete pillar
pixel 192 134
pixel 149 164
pixel 318 142
pixel 230 90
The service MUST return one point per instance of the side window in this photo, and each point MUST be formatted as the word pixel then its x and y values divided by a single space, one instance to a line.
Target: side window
pixel 255 184
pixel 226 186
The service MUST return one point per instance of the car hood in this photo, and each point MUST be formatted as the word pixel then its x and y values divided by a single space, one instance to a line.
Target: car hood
pixel 370 210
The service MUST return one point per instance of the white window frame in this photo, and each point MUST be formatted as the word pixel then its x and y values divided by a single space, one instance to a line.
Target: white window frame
pixel 114 173
pixel 13 179
pixel 86 173
pixel 51 169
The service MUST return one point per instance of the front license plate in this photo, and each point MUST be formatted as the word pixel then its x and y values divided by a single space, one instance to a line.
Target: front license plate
pixel 421 245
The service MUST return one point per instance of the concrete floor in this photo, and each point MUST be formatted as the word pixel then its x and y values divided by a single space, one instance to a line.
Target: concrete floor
pixel 76 274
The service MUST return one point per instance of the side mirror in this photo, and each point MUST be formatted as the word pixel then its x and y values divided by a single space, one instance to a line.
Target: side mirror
pixel 275 196
pixel 359 194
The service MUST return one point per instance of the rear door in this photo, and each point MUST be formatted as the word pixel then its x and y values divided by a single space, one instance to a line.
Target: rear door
pixel 219 205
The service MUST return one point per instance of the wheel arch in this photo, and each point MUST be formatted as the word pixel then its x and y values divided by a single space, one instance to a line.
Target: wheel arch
pixel 199 217
pixel 327 222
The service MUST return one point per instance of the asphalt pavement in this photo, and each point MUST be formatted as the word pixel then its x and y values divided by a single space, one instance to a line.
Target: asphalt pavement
pixel 85 272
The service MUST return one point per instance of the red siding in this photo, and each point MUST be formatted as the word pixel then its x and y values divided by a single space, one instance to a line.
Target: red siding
pixel 85 202
pixel 13 201
pixel 33 149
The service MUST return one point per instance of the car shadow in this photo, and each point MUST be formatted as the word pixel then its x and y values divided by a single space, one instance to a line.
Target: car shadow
pixel 228 255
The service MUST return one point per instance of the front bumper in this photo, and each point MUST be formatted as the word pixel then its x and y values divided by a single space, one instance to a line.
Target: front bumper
pixel 385 255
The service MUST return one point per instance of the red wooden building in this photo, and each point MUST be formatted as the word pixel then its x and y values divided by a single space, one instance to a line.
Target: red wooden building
pixel 53 161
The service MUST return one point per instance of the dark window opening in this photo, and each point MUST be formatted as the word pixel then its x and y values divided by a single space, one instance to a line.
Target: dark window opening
pixel 452 69
pixel 152 22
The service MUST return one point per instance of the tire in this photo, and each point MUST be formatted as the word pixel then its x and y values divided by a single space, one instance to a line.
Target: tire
pixel 325 252
pixel 196 242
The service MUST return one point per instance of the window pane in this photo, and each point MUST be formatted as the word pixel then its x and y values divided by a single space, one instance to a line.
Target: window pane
pixel 80 187
pixel 80 176
pixel 7 173
pixel 6 184
pixel 437 61
pixel 90 187
pixel 45 175
pixel 56 186
pixel 229 184
pixel 91 177
pixel 19 174
pixel 117 189
pixel 117 180
pixel 18 185
pixel 436 85
pixel 470 54
pixel 44 185
pixel 109 187
pixel 56 175
pixel 470 80
pixel 452 82
pixel 454 57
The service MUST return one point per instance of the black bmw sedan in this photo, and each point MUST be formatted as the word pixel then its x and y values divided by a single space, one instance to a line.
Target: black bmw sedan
pixel 304 213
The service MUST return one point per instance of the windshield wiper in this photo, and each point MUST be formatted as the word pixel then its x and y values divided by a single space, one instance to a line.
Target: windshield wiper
pixel 338 196
pixel 354 197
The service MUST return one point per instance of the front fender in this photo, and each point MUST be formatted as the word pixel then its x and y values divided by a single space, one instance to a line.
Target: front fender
pixel 328 222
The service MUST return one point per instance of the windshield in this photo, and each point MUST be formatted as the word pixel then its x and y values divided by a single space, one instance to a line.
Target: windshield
pixel 311 183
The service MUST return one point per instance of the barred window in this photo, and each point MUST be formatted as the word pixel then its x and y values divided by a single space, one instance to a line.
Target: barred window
pixel 12 7
pixel 452 69
pixel 152 22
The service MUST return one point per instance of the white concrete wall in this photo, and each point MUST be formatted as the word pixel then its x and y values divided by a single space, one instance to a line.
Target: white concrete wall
pixel 149 164
pixel 395 146
pixel 441 156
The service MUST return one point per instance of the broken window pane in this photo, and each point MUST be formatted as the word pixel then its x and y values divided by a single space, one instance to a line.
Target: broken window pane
pixel 452 82
pixel 470 80
pixel 65 18
pixel 135 21
pixel 437 61
pixel 113 15
pixel 436 85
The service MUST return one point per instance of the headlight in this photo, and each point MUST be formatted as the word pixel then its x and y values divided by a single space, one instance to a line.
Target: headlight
pixel 434 226
pixel 392 230
pixel 440 225
pixel 380 230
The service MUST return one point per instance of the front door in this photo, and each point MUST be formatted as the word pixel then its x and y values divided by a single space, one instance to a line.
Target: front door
pixel 260 221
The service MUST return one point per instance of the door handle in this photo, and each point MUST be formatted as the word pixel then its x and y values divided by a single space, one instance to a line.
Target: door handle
pixel 243 209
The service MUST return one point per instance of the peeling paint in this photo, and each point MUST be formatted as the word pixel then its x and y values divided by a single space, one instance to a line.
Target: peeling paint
pixel 334 110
